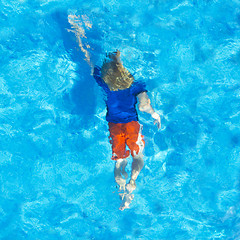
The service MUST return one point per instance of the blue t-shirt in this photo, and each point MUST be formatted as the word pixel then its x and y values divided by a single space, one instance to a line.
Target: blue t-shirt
pixel 121 104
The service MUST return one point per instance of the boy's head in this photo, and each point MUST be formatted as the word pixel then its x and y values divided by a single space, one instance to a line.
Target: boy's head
pixel 114 74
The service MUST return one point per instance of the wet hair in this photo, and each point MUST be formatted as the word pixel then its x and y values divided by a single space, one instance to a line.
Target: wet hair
pixel 114 74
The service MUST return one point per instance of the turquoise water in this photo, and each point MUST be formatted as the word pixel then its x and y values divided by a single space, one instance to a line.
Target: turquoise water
pixel 56 174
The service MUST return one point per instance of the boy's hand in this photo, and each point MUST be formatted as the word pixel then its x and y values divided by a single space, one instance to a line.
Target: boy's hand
pixel 157 119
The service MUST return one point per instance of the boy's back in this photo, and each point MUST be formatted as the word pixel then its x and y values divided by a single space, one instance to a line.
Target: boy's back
pixel 121 104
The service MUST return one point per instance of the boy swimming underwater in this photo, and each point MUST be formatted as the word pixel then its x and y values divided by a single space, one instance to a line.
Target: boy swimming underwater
pixel 125 130
pixel 123 93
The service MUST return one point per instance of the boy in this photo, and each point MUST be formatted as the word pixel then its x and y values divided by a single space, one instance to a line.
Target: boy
pixel 122 95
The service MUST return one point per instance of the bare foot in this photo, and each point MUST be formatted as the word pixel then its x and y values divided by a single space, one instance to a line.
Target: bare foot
pixel 127 199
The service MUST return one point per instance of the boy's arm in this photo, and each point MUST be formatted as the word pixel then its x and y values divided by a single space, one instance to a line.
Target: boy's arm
pixel 145 106
pixel 79 31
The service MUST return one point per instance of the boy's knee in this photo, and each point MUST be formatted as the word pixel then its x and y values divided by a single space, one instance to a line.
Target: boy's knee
pixel 137 154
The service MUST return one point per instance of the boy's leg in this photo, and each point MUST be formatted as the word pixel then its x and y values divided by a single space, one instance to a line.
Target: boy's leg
pixel 119 153
pixel 137 166
pixel 119 171
pixel 136 144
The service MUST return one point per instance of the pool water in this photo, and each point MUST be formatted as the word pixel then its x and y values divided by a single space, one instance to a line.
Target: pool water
pixel 56 173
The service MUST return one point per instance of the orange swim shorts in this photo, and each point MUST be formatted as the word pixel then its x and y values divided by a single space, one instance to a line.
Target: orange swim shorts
pixel 122 134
